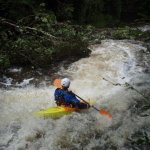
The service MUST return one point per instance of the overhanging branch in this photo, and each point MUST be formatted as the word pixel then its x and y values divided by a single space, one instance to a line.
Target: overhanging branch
pixel 5 21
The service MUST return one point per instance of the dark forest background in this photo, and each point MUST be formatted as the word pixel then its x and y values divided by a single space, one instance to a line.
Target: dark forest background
pixel 38 32
pixel 97 12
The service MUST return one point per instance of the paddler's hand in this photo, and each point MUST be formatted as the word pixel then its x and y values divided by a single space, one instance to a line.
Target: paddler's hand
pixel 88 105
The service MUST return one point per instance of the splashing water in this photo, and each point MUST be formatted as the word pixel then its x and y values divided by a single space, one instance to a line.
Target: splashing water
pixel 92 78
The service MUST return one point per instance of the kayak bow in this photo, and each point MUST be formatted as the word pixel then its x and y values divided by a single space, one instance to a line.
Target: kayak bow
pixel 58 111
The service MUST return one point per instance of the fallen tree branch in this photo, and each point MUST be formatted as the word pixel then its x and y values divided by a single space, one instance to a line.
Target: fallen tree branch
pixel 126 85
pixel 115 84
pixel 3 20
pixel 131 87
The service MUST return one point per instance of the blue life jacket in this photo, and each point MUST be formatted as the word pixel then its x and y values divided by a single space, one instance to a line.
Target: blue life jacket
pixel 67 96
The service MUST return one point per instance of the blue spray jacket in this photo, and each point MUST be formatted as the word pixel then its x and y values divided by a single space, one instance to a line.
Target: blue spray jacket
pixel 67 96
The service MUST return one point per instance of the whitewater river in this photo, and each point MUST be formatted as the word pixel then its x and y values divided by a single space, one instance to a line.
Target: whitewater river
pixel 95 78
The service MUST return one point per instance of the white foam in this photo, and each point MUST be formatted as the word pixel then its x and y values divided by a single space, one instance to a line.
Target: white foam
pixel 144 28
pixel 116 61
pixel 24 82
pixel 14 70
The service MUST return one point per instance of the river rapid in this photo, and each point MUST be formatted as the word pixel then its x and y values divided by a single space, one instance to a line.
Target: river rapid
pixel 116 75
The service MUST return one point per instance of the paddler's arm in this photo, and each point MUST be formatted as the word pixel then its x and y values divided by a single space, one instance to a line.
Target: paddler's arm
pixel 71 98
pixel 58 95
pixel 77 100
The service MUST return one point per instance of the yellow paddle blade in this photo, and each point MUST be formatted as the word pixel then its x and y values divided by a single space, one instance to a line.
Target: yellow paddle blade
pixel 57 83
pixel 104 112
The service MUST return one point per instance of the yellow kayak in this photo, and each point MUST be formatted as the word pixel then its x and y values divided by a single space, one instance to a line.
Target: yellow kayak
pixel 58 111
pixel 55 112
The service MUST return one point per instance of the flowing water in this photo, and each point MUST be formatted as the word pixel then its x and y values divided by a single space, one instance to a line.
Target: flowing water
pixel 100 77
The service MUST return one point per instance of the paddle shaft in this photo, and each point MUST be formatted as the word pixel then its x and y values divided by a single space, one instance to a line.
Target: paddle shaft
pixel 86 102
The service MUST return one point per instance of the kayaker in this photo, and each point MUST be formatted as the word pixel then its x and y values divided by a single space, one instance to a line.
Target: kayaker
pixel 65 97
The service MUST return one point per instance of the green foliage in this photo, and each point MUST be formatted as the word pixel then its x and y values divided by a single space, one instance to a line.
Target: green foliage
pixel 130 33
pixel 44 21
pixel 74 48
pixel 29 50
pixel 4 61
pixel 43 42
pixel 65 30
